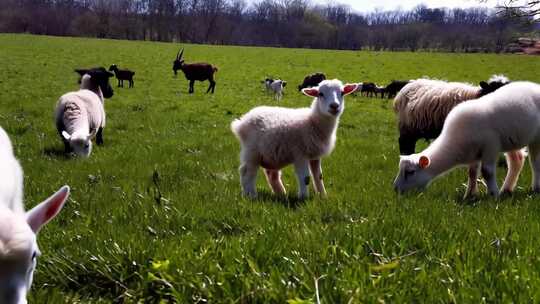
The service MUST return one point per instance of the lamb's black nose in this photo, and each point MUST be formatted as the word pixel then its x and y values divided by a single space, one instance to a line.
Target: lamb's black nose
pixel 334 106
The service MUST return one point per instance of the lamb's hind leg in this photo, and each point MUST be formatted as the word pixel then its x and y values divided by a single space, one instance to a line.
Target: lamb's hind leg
pixel 316 174
pixel 274 180
pixel 302 174
pixel 472 186
pixel 534 157
pixel 515 160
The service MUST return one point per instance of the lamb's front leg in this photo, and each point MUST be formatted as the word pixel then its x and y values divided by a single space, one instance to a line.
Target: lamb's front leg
pixel 488 172
pixel 248 179
pixel 302 174
pixel 472 186
pixel 316 174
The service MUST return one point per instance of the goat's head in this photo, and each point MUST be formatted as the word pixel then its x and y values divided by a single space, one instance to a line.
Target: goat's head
pixel 177 63
pixel 81 144
pixel 99 77
pixel 329 96
pixel 494 83
pixel 113 68
pixel 18 247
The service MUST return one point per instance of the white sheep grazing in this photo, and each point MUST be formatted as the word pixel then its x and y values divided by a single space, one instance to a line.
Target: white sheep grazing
pixel 18 246
pixel 274 137
pixel 276 86
pixel 80 115
pixel 476 132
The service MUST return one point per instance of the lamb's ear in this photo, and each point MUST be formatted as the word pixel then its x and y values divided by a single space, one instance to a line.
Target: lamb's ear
pixel 284 84
pixel 313 92
pixel 484 85
pixel 349 88
pixel 423 162
pixel 66 135
pixel 47 210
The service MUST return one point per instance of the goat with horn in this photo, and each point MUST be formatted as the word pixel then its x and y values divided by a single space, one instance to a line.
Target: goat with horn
pixel 195 71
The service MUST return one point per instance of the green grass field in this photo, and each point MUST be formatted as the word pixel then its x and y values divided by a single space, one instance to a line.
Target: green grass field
pixel 156 214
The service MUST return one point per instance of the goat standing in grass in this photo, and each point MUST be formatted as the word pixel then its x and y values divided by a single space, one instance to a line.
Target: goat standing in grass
pixel 122 75
pixel 195 71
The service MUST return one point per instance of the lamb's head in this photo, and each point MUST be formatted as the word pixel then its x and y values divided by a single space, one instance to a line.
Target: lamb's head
pixel 178 62
pixel 80 143
pixel 18 247
pixel 413 173
pixel 99 77
pixel 494 83
pixel 329 96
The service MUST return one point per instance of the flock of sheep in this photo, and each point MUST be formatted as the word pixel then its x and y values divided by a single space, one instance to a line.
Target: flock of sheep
pixel 471 126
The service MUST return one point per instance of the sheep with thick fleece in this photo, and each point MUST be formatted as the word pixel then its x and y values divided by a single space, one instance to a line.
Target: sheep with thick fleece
pixel 274 137
pixel 18 246
pixel 80 115
pixel 474 134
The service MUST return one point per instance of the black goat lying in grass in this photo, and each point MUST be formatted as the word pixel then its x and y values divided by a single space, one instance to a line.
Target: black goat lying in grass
pixel 122 75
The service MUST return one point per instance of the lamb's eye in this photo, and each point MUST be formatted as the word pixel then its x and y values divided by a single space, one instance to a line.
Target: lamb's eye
pixel 408 173
pixel 86 146
pixel 321 94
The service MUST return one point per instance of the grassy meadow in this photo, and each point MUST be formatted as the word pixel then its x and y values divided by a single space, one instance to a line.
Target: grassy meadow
pixel 156 214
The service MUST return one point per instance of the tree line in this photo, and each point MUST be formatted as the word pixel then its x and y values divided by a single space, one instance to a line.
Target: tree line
pixel 279 23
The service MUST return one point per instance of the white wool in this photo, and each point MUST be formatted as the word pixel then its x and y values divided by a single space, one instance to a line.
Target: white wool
pixel 273 137
pixel 11 176
pixel 503 121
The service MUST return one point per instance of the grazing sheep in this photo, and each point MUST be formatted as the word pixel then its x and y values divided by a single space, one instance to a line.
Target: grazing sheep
pixel 369 88
pixel 80 115
pixel 422 106
pixel 312 80
pixel 394 87
pixel 274 137
pixel 276 86
pixel 195 71
pixel 18 247
pixel 122 75
pixel 475 133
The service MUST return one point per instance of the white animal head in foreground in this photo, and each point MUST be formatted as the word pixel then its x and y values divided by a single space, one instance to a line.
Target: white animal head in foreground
pixel 413 173
pixel 329 96
pixel 18 246
pixel 80 144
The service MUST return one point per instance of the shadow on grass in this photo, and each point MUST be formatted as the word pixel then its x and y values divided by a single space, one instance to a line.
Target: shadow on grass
pixel 290 200
pixel 56 152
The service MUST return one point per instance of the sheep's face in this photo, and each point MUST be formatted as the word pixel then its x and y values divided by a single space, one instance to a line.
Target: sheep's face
pixel 18 247
pixel 413 173
pixel 329 96
pixel 81 145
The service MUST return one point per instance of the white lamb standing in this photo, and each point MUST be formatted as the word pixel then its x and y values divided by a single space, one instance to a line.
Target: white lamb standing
pixel 275 86
pixel 274 137
pixel 18 246
pixel 475 133
pixel 80 115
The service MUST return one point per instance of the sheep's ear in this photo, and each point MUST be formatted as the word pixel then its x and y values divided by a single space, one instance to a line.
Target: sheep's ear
pixel 313 92
pixel 484 85
pixel 284 84
pixel 423 162
pixel 47 210
pixel 349 88
pixel 66 135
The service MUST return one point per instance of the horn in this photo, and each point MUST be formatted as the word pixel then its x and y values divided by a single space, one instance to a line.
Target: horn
pixel 180 53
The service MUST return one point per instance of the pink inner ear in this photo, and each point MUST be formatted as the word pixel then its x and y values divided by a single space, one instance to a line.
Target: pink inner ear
pixel 349 88
pixel 311 92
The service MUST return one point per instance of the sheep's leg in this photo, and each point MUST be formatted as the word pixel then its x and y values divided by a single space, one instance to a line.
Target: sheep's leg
pixel 316 174
pixel 488 172
pixel 302 175
pixel 191 84
pixel 131 83
pixel 67 147
pixel 274 180
pixel 515 160
pixel 248 179
pixel 472 186
pixel 534 157
pixel 211 86
pixel 99 137
pixel 118 82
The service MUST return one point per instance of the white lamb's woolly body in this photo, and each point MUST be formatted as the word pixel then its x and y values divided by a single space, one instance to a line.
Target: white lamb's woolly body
pixel 273 137
pixel 80 113
pixel 505 120
pixel 18 247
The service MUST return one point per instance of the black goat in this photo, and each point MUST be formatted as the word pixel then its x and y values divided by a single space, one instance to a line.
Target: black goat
pixel 100 77
pixel 312 80
pixel 195 71
pixel 394 87
pixel 122 75
pixel 369 88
